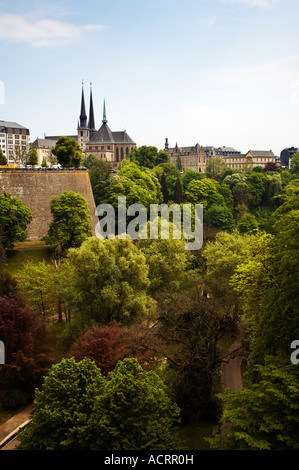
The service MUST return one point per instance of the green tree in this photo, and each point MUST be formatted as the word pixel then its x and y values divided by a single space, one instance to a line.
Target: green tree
pixel 14 218
pixel 164 188
pixel 264 414
pixel 148 156
pixel 248 224
pixel 71 222
pixel 44 163
pixel 294 164
pixel 115 281
pixel 205 192
pixel 3 159
pixel 32 157
pixel 220 216
pixel 63 407
pixel 38 281
pixel 168 263
pixel 190 175
pixel 178 192
pixel 68 152
pixel 215 168
pixel 100 177
pixel 134 412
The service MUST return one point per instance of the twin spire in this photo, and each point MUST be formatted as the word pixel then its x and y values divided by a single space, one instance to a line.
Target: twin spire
pixel 83 116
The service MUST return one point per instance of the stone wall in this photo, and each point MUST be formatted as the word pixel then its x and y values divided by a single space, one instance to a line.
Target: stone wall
pixel 36 188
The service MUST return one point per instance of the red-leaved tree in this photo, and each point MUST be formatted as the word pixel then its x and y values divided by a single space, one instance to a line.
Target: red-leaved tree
pixel 29 350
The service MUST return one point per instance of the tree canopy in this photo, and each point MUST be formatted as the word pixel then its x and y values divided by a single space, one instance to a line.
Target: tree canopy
pixel 14 218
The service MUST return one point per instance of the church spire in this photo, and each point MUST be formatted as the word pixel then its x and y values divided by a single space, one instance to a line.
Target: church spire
pixel 83 115
pixel 104 121
pixel 91 123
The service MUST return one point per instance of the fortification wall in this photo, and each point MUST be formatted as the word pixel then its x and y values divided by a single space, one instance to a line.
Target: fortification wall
pixel 36 188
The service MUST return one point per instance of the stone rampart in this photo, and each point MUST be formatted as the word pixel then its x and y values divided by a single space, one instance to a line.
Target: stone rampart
pixel 36 188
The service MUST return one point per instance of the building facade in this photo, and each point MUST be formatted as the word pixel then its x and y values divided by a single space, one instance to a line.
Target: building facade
pixel 43 148
pixel 14 140
pixel 286 156
pixel 104 144
pixel 192 158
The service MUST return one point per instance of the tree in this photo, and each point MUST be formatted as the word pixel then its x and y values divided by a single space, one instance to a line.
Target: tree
pixel 264 413
pixel 294 164
pixel 205 192
pixel 38 281
pixel 115 281
pixel 190 175
pixel 270 166
pixel 20 154
pixel 164 188
pixel 3 159
pixel 178 192
pixel 78 409
pixel 68 152
pixel 100 177
pixel 63 407
pixel 28 350
pixel 179 163
pixel 220 216
pixel 134 412
pixel 248 224
pixel 32 157
pixel 14 218
pixel 71 223
pixel 44 163
pixel 168 263
pixel 103 345
pixel 148 156
pixel 215 168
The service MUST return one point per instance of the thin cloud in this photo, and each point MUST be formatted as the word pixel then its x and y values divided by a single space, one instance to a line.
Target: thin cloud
pixel 254 3
pixel 41 32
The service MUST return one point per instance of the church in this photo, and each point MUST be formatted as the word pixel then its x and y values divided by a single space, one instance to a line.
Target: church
pixel 104 144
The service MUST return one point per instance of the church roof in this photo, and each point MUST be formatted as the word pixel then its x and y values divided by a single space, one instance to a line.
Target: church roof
pixel 104 134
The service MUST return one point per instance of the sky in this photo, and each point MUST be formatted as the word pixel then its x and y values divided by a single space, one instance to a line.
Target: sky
pixel 213 72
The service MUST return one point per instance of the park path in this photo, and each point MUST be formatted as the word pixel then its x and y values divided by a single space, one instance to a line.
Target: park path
pixel 13 424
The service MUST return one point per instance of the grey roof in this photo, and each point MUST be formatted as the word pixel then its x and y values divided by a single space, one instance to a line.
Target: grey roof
pixel 56 137
pixel 262 153
pixel 13 125
pixel 121 137
pixel 104 134
pixel 44 143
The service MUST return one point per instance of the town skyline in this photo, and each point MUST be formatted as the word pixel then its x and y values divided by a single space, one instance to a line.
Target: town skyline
pixel 218 73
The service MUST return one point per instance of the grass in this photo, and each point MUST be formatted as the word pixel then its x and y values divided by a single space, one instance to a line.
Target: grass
pixel 16 259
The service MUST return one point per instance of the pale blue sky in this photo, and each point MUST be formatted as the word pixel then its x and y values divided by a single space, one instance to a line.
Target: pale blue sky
pixel 216 72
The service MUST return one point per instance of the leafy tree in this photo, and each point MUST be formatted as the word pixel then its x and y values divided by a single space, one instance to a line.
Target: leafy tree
pixel 115 281
pixel 264 413
pixel 294 164
pixel 215 168
pixel 78 409
pixel 168 263
pixel 8 284
pixel 171 173
pixel 270 166
pixel 32 157
pixel 134 412
pixel 234 178
pixel 220 216
pixel 71 223
pixel 63 407
pixel 14 218
pixel 258 185
pixel 178 192
pixel 38 281
pixel 179 163
pixel 103 345
pixel 205 192
pixel 164 188
pixel 258 169
pixel 68 152
pixel 28 350
pixel 190 175
pixel 100 177
pixel 44 163
pixel 148 156
pixel 248 224
pixel 3 159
